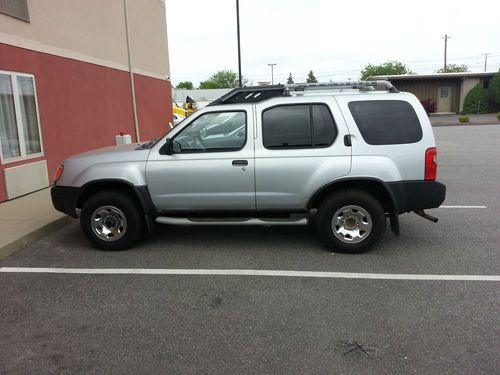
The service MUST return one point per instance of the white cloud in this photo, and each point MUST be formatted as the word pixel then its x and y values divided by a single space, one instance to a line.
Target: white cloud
pixel 335 39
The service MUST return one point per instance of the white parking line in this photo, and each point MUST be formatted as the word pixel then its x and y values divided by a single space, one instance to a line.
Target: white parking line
pixel 462 206
pixel 249 272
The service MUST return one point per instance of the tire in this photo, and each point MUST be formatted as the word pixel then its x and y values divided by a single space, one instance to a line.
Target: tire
pixel 112 220
pixel 350 221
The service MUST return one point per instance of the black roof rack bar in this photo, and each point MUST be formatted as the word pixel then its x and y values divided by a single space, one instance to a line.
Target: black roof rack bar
pixel 250 94
pixel 253 94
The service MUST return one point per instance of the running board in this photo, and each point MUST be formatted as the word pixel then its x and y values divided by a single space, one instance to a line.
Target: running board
pixel 229 221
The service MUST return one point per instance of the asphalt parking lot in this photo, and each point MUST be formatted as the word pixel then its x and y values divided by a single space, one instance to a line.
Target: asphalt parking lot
pixel 218 324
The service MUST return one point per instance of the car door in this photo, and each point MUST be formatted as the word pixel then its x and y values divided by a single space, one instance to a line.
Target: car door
pixel 299 148
pixel 212 165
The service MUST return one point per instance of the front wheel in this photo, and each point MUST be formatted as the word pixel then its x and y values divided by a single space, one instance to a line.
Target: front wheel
pixel 350 221
pixel 112 220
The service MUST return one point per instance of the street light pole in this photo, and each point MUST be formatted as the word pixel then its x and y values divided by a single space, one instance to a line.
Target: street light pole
pixel 238 32
pixel 272 72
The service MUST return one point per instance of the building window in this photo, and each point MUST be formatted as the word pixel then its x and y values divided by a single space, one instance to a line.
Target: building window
pixel 444 92
pixel 15 8
pixel 19 125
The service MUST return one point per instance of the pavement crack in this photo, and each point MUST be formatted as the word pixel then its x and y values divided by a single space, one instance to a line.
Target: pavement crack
pixel 356 347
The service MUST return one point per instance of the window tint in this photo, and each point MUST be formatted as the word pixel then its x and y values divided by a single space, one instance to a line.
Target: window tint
pixel 213 132
pixel 386 122
pixel 287 126
pixel 296 126
pixel 324 130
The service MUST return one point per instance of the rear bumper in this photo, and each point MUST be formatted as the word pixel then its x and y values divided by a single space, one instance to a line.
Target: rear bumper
pixel 64 199
pixel 416 195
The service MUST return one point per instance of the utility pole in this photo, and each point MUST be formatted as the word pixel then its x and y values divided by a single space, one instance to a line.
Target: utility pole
pixel 446 37
pixel 272 72
pixel 238 32
pixel 486 60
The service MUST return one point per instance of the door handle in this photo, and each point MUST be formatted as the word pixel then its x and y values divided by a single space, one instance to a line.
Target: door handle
pixel 239 163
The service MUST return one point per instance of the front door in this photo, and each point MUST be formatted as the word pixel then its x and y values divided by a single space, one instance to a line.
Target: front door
pixel 444 99
pixel 212 167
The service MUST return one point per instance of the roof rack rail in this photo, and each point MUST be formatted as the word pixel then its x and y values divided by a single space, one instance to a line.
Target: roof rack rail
pixel 253 94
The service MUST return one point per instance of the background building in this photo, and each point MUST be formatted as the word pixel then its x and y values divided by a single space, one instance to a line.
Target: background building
pixel 447 90
pixel 73 74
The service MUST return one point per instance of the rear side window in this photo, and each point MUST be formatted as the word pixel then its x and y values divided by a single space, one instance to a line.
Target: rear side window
pixel 386 122
pixel 298 126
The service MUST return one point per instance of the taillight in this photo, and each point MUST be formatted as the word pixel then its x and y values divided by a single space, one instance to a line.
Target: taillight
pixel 58 173
pixel 430 163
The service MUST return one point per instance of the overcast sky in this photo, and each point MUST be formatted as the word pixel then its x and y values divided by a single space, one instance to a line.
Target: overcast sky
pixel 335 39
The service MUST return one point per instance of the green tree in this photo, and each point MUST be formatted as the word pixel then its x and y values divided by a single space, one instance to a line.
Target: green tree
pixel 223 79
pixel 385 69
pixel 311 78
pixel 185 85
pixel 453 68
pixel 290 79
pixel 494 91
pixel 476 100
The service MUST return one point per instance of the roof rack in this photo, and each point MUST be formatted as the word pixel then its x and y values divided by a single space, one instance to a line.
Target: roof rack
pixel 253 94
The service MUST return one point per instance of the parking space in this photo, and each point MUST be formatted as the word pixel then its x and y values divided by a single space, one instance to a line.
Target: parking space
pixel 132 323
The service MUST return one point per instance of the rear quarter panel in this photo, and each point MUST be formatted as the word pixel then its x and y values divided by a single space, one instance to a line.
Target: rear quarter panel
pixel 396 162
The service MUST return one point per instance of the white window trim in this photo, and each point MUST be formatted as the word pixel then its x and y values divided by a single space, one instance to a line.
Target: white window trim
pixel 20 127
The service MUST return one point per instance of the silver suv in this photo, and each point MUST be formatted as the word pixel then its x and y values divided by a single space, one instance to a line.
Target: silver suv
pixel 343 156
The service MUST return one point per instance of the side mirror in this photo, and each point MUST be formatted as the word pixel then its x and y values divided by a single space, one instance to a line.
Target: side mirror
pixel 166 149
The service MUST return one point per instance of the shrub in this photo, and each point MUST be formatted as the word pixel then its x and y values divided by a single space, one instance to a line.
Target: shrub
pixel 429 105
pixel 476 100
pixel 498 116
pixel 463 119
pixel 494 91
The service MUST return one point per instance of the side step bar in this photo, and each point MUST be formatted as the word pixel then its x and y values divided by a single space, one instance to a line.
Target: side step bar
pixel 229 221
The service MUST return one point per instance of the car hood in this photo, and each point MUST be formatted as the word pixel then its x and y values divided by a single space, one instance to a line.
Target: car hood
pixel 112 154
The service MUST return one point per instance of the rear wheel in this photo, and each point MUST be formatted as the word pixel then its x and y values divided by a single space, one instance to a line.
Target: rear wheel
pixel 112 220
pixel 350 221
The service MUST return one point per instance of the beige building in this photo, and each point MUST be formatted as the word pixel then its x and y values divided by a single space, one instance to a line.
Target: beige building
pixel 73 75
pixel 447 90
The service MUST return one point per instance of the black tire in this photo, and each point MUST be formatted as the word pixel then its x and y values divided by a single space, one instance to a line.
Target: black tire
pixel 128 205
pixel 344 198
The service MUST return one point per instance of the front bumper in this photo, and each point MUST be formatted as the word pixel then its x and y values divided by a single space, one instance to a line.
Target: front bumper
pixel 64 199
pixel 409 196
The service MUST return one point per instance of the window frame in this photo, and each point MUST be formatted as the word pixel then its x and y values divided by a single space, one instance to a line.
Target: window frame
pixel 215 150
pixel 19 121
pixel 311 124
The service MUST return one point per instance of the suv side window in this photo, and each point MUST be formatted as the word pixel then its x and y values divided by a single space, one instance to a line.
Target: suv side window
pixel 213 132
pixel 298 126
pixel 386 122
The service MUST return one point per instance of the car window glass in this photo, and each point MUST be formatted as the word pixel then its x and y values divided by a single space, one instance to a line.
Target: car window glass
pixel 386 122
pixel 287 127
pixel 211 132
pixel 298 126
pixel 324 129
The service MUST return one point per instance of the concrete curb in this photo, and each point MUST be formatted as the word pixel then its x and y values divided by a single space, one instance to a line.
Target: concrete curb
pixel 463 123
pixel 33 236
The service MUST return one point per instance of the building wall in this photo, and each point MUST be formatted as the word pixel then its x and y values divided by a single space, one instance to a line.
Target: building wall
pixel 428 89
pixel 94 31
pixel 466 85
pixel 77 52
